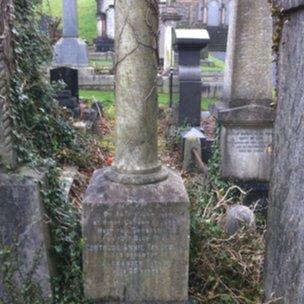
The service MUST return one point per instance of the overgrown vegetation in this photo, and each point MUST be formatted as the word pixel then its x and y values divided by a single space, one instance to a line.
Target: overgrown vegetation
pixel 223 269
pixel 43 137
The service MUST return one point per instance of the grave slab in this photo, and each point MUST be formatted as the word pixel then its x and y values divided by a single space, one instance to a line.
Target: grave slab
pixel 22 225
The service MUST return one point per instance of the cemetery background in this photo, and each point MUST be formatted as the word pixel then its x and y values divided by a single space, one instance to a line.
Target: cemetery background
pixel 222 269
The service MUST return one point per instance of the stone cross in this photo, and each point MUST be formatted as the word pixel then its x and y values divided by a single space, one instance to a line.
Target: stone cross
pixel 7 153
pixel 135 214
pixel 246 116
pixel 70 50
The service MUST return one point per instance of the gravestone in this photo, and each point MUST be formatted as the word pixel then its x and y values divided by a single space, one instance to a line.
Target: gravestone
pixel 188 43
pixel 23 230
pixel 245 115
pixel 169 19
pixel 70 50
pixel 69 76
pixel 105 26
pixel 135 214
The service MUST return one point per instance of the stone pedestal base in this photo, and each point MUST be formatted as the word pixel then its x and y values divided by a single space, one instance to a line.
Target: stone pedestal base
pixel 23 230
pixel 137 241
pixel 70 52
pixel 246 142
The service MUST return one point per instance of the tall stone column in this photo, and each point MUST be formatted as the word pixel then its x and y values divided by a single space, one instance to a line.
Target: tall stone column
pixel 135 214
pixel 284 269
pixel 245 115
pixel 70 50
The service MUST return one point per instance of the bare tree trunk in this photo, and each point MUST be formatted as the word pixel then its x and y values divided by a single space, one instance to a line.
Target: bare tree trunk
pixel 284 277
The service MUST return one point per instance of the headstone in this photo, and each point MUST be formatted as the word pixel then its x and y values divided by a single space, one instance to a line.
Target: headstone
pixel 69 76
pixel 189 43
pixel 70 50
pixel 192 139
pixel 135 214
pixel 105 26
pixel 169 19
pixel 24 231
pixel 246 116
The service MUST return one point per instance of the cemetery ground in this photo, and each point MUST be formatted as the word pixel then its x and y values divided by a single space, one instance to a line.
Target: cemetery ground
pixel 223 268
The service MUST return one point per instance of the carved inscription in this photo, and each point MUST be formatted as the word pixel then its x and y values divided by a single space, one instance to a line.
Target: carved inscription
pixel 130 241
pixel 250 140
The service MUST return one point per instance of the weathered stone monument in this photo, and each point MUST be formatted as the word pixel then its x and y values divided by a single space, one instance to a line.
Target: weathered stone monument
pixel 70 50
pixel 135 214
pixel 245 115
pixel 284 269
pixel 105 26
pixel 22 227
pixel 169 19
pixel 188 43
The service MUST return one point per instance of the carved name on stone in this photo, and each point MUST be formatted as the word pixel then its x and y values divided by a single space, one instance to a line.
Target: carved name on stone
pixel 246 152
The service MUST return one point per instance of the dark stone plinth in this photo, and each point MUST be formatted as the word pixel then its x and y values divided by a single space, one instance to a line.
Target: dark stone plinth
pixel 104 44
pixel 23 229
pixel 69 76
pixel 66 100
pixel 188 44
pixel 137 241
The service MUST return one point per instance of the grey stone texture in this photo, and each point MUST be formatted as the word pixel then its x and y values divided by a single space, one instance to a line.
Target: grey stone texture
pixel 288 4
pixel 70 50
pixel 246 142
pixel 248 75
pixel 239 217
pixel 284 269
pixel 70 18
pixel 22 225
pixel 245 115
pixel 137 240
pixel 136 92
